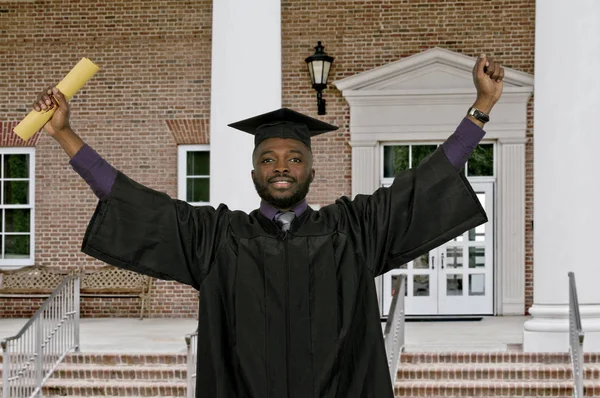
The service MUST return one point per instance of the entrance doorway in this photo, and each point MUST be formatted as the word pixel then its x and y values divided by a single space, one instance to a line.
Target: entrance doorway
pixel 456 278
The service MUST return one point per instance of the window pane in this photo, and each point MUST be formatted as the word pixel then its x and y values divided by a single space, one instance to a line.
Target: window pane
pixel 198 189
pixel 454 257
pixel 476 257
pixel 481 162
pixel 16 192
pixel 420 152
pixel 394 281
pixel 421 262
pixel 477 285
pixel 420 285
pixel 16 246
pixel 17 220
pixel 198 163
pixel 16 166
pixel 454 285
pixel 395 159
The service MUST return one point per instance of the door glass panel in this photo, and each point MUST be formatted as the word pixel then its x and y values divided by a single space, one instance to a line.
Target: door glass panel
pixel 394 281
pixel 421 262
pixel 476 257
pixel 420 285
pixel 477 285
pixel 454 257
pixel 454 285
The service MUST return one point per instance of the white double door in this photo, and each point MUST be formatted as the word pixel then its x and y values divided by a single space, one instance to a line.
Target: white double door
pixel 456 278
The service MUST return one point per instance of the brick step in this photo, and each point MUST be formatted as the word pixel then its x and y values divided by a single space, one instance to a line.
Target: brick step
pixel 445 388
pixel 117 388
pixel 504 371
pixel 493 357
pixel 121 372
pixel 101 358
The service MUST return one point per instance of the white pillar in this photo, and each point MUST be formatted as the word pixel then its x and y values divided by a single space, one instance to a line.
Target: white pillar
pixel 566 186
pixel 246 81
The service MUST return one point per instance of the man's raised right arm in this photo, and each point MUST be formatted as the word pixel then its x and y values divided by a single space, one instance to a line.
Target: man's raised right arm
pixel 96 171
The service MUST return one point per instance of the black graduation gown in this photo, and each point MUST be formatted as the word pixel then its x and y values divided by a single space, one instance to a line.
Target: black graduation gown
pixel 287 315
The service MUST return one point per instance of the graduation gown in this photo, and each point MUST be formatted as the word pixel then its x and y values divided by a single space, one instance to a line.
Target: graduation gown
pixel 292 315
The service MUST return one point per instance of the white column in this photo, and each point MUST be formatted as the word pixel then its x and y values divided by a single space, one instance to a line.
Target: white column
pixel 365 170
pixel 246 81
pixel 511 216
pixel 567 186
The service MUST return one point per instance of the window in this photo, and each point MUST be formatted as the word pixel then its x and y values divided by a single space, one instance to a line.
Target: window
pixel 397 158
pixel 17 190
pixel 193 171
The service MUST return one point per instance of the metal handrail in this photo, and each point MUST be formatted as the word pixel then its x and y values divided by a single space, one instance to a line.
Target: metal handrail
pixel 191 340
pixel 393 334
pixel 30 356
pixel 575 338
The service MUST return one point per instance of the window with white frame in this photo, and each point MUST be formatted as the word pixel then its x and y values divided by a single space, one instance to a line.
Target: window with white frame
pixel 399 157
pixel 17 204
pixel 193 173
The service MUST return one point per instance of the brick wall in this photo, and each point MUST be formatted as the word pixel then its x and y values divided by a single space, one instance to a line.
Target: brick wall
pixel 155 67
pixel 362 35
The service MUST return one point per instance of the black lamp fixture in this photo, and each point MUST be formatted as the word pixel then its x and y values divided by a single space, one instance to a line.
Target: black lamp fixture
pixel 318 65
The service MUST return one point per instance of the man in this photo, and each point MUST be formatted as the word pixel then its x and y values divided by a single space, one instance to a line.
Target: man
pixel 288 304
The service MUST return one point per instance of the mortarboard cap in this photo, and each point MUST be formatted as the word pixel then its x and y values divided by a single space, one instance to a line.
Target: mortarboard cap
pixel 283 123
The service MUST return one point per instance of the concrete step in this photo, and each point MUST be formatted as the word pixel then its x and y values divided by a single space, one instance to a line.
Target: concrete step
pixel 454 389
pixel 117 388
pixel 494 357
pixel 500 372
pixel 126 359
pixel 121 372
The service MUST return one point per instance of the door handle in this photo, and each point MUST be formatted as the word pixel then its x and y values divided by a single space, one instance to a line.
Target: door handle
pixel 442 261
pixel 432 262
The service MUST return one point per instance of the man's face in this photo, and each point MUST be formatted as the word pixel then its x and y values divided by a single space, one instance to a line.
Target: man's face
pixel 282 171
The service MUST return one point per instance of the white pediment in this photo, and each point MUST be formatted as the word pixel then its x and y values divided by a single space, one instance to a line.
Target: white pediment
pixel 433 70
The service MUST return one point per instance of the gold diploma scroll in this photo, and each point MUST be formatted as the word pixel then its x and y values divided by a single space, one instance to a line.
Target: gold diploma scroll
pixel 75 79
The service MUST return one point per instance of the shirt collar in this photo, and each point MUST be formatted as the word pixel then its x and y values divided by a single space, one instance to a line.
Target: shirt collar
pixel 269 211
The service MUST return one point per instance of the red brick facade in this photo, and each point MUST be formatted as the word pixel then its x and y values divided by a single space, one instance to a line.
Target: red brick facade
pixel 153 92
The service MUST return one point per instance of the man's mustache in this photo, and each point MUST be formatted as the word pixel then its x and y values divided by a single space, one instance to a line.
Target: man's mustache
pixel 282 175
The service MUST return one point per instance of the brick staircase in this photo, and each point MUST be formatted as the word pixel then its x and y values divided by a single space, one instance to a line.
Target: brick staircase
pixel 489 374
pixel 493 374
pixel 119 375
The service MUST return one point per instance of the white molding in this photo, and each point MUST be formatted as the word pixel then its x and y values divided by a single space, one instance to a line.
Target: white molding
pixel 452 60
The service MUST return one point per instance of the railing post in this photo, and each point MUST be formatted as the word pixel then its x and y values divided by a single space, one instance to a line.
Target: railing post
pixel 576 337
pixel 77 288
pixel 394 327
pixel 39 330
pixel 6 369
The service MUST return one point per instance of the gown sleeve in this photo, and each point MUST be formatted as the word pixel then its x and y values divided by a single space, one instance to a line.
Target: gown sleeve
pixel 148 232
pixel 425 207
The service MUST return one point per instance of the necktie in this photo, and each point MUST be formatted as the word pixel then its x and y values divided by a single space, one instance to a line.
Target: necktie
pixel 284 220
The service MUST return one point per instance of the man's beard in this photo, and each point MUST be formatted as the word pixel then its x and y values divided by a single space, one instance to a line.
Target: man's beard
pixel 286 202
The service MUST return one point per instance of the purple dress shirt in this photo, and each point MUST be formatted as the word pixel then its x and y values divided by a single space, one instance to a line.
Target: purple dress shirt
pixel 101 176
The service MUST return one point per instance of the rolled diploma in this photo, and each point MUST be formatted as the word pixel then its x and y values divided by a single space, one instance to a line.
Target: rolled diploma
pixel 75 79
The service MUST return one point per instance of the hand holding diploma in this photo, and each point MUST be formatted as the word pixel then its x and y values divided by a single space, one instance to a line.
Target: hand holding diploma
pixel 75 79
pixel 58 126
